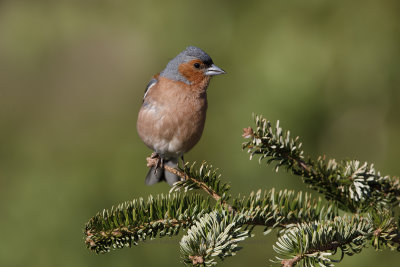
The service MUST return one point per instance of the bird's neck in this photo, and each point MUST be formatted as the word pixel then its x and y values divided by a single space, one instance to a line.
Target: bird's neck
pixel 200 86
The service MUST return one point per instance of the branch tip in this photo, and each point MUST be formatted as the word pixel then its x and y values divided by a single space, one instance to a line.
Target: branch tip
pixel 196 259
pixel 248 132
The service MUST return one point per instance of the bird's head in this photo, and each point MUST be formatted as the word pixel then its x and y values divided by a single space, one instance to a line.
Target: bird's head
pixel 191 66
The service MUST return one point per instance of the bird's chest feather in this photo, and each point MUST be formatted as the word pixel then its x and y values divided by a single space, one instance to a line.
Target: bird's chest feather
pixel 175 118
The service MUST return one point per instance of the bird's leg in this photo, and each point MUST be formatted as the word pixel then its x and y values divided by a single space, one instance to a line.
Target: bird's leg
pixel 160 161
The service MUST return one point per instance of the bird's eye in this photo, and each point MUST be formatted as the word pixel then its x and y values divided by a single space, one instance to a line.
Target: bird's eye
pixel 196 65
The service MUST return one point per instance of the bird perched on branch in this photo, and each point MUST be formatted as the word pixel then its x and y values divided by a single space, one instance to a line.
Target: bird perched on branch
pixel 171 119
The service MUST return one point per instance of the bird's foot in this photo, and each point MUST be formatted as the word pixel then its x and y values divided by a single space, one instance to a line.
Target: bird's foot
pixel 155 160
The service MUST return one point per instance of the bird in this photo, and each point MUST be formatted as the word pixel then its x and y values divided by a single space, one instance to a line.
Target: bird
pixel 173 112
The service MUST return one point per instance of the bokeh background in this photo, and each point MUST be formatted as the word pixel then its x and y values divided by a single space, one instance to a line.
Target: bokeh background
pixel 72 77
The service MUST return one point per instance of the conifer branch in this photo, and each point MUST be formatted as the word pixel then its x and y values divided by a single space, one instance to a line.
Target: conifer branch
pixel 205 179
pixel 282 209
pixel 313 243
pixel 271 210
pixel 355 186
pixel 137 220
pixel 217 234
pixel 310 230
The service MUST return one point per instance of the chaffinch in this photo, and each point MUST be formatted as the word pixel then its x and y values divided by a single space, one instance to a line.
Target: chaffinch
pixel 171 119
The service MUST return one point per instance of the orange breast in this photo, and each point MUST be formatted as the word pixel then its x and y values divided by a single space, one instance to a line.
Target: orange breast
pixel 172 118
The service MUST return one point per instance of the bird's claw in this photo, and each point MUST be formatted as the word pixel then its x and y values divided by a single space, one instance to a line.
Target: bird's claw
pixel 155 160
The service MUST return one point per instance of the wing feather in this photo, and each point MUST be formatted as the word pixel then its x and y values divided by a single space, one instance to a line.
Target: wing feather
pixel 152 82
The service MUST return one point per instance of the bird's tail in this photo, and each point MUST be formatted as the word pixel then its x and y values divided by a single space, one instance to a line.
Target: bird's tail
pixel 156 176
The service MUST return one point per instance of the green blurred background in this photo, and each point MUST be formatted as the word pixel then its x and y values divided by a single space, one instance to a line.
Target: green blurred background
pixel 72 77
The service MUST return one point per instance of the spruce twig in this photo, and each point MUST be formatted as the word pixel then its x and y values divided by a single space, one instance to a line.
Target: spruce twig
pixel 215 235
pixel 188 180
pixel 135 221
pixel 310 231
pixel 313 243
pixel 355 186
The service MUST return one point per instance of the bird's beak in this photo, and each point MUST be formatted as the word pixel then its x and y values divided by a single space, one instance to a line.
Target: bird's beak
pixel 214 70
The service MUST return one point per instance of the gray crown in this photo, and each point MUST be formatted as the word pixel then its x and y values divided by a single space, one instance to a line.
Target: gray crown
pixel 190 53
pixel 195 52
